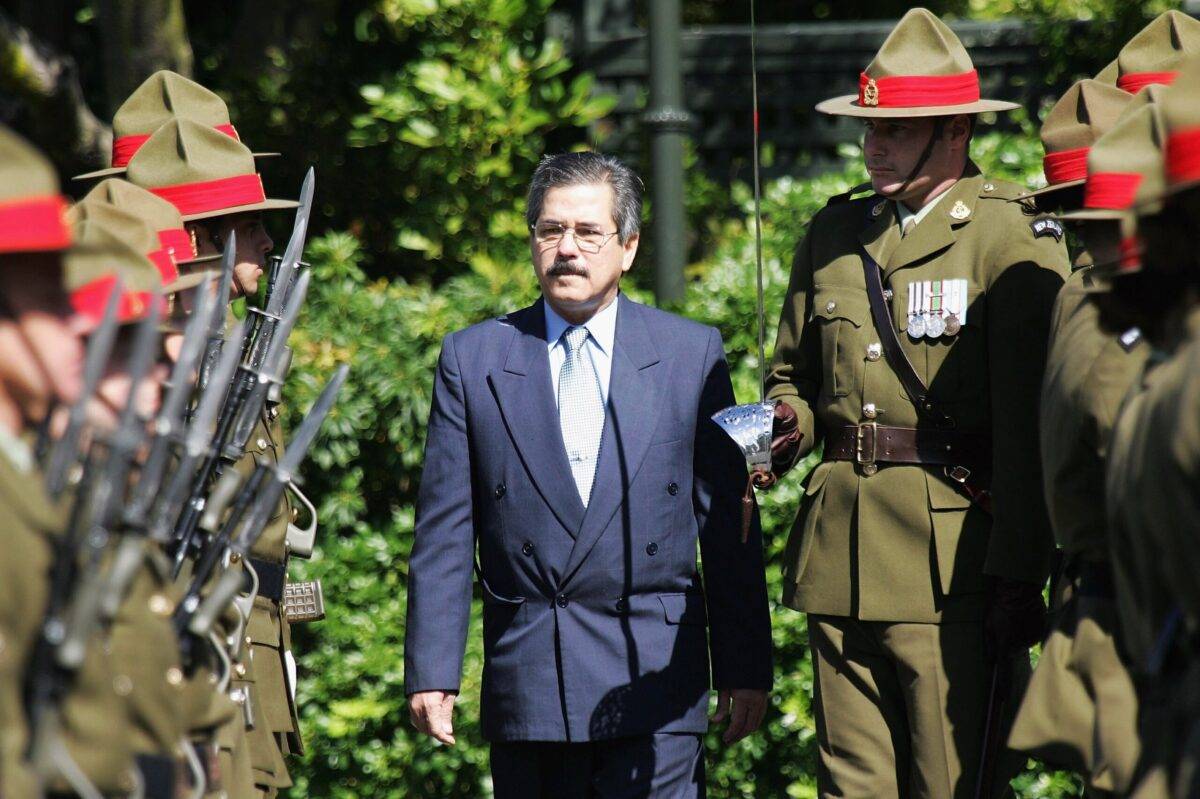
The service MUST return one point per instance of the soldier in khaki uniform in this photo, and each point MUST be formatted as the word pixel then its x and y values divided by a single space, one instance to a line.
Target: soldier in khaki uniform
pixel 1152 482
pixel 87 740
pixel 908 580
pixel 182 162
pixel 1080 710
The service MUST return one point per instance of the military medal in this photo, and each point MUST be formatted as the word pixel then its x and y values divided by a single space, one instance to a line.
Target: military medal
pixel 916 324
pixel 934 324
pixel 956 305
pixel 953 325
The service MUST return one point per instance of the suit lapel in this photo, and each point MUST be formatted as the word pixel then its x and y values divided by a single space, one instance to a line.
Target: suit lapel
pixel 939 230
pixel 882 234
pixel 524 393
pixel 630 420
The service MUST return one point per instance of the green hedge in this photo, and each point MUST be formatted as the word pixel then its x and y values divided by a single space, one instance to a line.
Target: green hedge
pixel 366 470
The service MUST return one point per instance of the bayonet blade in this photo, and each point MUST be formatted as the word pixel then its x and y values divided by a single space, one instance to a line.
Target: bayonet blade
pixel 98 352
pixel 295 245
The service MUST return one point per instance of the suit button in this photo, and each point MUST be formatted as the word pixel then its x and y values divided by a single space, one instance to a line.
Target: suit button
pixel 501 490
pixel 874 351
pixel 672 488
pixel 652 549
pixel 527 548
pixel 620 606
pixel 562 601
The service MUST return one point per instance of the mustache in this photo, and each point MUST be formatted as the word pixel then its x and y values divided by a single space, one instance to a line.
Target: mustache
pixel 563 268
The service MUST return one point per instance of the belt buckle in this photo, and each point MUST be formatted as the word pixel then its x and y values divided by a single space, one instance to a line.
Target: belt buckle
pixel 861 456
pixel 303 602
pixel 958 474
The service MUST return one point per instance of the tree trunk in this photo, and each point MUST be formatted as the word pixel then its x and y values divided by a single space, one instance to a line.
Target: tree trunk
pixel 140 38
pixel 40 96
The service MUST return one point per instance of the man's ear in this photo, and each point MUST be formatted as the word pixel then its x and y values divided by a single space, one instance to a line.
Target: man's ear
pixel 630 246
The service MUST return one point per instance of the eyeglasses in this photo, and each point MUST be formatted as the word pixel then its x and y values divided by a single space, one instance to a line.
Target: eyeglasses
pixel 588 239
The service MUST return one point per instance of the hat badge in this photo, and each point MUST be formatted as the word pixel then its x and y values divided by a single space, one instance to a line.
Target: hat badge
pixel 878 209
pixel 960 210
pixel 871 93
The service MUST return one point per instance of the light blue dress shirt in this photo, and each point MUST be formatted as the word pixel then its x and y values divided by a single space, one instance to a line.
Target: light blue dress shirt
pixel 602 333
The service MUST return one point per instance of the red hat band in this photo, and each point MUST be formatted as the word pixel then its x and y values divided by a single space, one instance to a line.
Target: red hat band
pixel 214 195
pixel 1183 155
pixel 124 147
pixel 34 224
pixel 1136 81
pixel 178 243
pixel 165 265
pixel 1112 191
pixel 1066 165
pixel 914 91
pixel 91 300
pixel 1131 254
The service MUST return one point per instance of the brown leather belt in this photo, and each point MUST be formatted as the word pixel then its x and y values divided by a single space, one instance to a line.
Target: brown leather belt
pixel 869 444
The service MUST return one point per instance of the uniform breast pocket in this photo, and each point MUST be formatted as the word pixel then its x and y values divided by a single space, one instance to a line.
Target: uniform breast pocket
pixel 839 314
pixel 956 367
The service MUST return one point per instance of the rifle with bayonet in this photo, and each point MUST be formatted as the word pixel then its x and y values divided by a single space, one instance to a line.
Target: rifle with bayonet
pixel 108 493
pixel 167 434
pixel 244 395
pixel 66 625
pixel 263 349
pixel 251 510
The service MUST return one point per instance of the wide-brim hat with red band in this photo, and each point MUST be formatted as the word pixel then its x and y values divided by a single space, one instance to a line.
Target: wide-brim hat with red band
pixel 1084 113
pixel 31 208
pixel 921 70
pixel 1181 129
pixel 111 244
pixel 162 97
pixel 1155 54
pixel 141 234
pixel 1125 165
pixel 162 217
pixel 201 172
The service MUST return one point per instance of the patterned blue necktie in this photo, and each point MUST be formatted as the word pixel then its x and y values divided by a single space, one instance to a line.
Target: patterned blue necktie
pixel 580 411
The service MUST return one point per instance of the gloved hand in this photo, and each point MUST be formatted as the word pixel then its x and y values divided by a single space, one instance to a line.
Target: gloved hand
pixel 785 438
pixel 1016 617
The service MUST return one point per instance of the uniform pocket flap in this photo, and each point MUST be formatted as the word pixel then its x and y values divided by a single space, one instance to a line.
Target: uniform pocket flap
pixel 841 303
pixel 684 608
pixel 490 597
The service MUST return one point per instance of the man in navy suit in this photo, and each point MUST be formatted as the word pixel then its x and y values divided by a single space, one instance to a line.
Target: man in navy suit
pixel 572 441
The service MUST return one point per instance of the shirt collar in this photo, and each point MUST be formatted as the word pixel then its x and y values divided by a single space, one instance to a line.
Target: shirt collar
pixel 602 327
pixel 904 214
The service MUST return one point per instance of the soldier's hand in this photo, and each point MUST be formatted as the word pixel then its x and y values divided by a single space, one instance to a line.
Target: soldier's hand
pixel 1016 617
pixel 432 713
pixel 785 438
pixel 744 707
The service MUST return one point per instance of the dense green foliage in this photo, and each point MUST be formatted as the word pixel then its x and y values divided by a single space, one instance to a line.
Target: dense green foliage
pixel 423 119
pixel 367 470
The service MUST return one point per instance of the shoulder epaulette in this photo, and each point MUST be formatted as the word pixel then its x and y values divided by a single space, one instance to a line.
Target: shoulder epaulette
pixel 1000 190
pixel 845 196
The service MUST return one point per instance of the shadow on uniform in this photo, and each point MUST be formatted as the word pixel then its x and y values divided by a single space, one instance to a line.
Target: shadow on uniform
pixel 959 547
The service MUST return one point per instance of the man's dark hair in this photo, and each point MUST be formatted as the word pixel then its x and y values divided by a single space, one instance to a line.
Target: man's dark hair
pixel 574 169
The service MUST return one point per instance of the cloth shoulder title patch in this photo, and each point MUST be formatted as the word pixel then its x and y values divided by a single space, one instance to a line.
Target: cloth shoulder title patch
pixel 1047 227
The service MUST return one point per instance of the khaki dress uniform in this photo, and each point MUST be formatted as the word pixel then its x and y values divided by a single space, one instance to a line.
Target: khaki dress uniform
pixel 1153 480
pixel 889 559
pixel 95 725
pixel 1080 708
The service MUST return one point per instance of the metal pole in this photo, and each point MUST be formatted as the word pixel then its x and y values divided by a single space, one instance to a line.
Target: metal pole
pixel 668 122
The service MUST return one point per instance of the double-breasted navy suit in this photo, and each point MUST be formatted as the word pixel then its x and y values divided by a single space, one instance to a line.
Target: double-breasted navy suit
pixel 597 621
